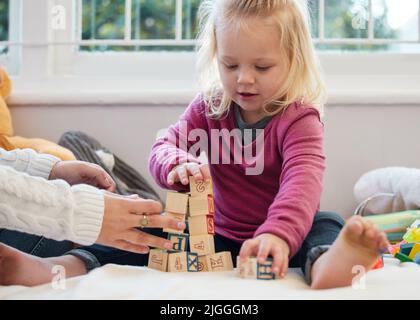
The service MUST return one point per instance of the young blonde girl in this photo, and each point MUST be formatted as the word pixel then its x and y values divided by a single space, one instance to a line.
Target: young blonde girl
pixel 261 84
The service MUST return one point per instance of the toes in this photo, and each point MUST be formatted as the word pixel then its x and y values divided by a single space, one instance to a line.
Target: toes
pixel 355 226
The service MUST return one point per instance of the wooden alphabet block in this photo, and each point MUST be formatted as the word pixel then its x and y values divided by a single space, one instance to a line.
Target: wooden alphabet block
pixel 221 261
pixel 158 259
pixel 201 206
pixel 177 216
pixel 246 269
pixel 202 264
pixel 200 188
pixel 265 270
pixel 176 202
pixel 180 241
pixel 252 269
pixel 183 262
pixel 201 225
pixel 202 244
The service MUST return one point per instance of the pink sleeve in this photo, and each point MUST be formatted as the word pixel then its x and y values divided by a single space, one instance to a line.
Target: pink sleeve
pixel 291 214
pixel 174 147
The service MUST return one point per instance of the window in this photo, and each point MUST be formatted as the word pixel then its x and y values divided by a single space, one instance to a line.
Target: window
pixel 353 25
pixel 4 25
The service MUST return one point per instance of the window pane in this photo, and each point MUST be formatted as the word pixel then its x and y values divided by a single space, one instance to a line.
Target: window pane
pixel 153 19
pixel 346 18
pixel 189 20
pixel 4 24
pixel 103 19
pixel 396 19
pixel 313 6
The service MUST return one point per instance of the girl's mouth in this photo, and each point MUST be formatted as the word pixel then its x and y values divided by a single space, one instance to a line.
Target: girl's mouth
pixel 247 94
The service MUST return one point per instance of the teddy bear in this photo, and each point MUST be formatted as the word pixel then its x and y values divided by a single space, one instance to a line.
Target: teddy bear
pixel 9 142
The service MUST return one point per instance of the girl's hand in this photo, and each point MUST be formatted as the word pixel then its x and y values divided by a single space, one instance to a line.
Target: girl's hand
pixel 264 245
pixel 79 172
pixel 181 173
pixel 125 214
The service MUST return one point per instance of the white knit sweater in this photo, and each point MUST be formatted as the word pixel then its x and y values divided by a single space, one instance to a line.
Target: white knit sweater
pixel 53 209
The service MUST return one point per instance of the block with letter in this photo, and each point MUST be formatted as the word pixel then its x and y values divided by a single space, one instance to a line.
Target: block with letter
pixel 158 259
pixel 202 264
pixel 200 188
pixel 202 244
pixel 202 205
pixel 183 262
pixel 246 269
pixel 265 270
pixel 201 225
pixel 177 216
pixel 414 251
pixel 179 240
pixel 221 261
pixel 176 202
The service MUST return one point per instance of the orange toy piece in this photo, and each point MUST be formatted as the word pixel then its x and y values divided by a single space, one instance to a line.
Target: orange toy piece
pixel 9 142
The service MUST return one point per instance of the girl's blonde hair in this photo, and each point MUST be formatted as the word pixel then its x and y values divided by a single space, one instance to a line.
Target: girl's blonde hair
pixel 304 82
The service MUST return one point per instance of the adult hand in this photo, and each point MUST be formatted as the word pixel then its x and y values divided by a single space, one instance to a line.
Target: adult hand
pixel 79 172
pixel 124 214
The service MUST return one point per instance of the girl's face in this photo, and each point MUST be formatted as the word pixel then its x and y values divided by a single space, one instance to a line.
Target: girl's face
pixel 251 63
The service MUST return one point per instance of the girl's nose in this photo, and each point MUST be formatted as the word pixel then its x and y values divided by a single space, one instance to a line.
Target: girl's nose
pixel 245 77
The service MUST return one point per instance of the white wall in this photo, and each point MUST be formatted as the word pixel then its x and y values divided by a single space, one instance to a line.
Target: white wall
pixel 358 138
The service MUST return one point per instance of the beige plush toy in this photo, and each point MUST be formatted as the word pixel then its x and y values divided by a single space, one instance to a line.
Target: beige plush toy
pixel 10 142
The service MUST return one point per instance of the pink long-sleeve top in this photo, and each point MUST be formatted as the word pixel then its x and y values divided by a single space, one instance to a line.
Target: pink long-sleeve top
pixel 276 189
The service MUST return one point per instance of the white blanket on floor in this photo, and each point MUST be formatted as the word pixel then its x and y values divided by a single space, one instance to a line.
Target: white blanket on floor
pixel 395 281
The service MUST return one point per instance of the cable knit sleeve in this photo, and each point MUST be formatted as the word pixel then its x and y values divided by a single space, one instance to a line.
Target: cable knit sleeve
pixel 27 160
pixel 49 208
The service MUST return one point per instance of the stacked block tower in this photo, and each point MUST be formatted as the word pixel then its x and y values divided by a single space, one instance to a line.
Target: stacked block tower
pixel 197 208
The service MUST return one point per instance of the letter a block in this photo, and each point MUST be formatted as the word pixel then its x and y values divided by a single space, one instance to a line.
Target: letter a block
pixel 201 225
pixel 200 188
pixel 158 259
pixel 202 244
pixel 176 202
pixel 201 206
pixel 183 262
pixel 180 241
pixel 221 261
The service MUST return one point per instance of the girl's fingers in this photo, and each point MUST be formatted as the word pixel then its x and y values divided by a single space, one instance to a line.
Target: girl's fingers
pixel 277 262
pixel 248 249
pixel 284 266
pixel 182 174
pixel 205 171
pixel 263 251
pixel 172 177
pixel 195 171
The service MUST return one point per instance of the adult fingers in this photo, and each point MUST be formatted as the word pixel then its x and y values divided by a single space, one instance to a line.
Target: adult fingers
pixel 141 238
pixel 155 221
pixel 144 206
pixel 127 246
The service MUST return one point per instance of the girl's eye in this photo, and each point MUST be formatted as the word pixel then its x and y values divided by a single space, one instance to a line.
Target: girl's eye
pixel 231 67
pixel 262 68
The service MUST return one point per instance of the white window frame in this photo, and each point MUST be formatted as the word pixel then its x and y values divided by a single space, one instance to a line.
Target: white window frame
pixel 159 77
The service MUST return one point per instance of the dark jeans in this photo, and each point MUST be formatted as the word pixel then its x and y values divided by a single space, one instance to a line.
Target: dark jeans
pixel 324 231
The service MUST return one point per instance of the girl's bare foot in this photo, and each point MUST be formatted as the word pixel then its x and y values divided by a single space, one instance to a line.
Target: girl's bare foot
pixel 18 268
pixel 358 244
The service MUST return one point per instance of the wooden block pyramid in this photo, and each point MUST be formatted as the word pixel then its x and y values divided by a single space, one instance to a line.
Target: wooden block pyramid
pixel 197 208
